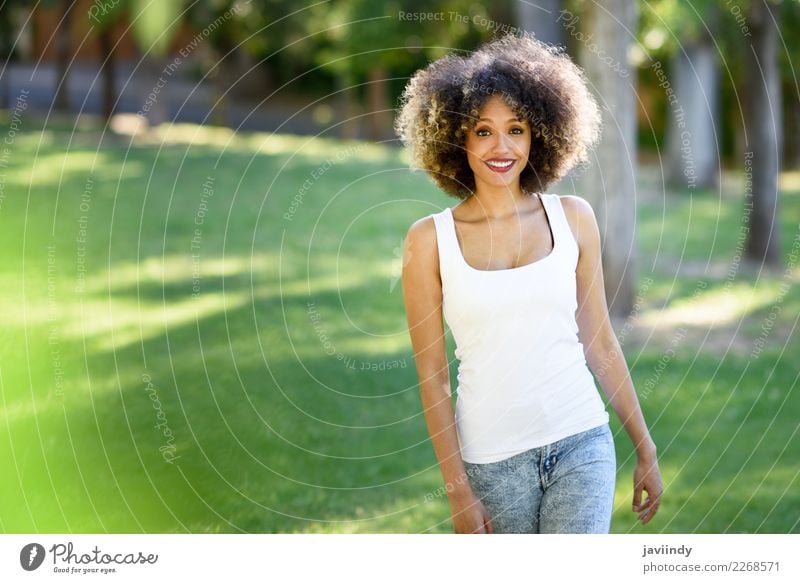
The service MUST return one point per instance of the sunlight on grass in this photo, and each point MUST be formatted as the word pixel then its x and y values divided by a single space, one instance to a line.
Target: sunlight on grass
pixel 14 412
pixel 116 323
pixel 111 323
pixel 789 180
pixel 51 169
pixel 312 147
pixel 37 406
pixel 330 272
pixel 715 307
pixel 170 269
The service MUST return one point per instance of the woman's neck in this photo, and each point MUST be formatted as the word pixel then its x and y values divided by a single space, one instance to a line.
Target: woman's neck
pixel 497 202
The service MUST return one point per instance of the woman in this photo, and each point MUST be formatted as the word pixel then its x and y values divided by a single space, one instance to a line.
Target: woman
pixel 516 273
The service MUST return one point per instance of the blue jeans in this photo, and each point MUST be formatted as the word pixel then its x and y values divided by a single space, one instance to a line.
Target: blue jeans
pixel 564 487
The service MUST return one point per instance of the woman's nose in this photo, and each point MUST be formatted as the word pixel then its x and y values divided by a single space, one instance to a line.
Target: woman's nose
pixel 502 144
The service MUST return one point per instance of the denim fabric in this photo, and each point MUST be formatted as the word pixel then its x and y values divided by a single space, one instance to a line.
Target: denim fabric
pixel 564 487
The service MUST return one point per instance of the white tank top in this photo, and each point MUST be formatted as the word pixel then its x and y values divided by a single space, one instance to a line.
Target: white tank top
pixel 523 381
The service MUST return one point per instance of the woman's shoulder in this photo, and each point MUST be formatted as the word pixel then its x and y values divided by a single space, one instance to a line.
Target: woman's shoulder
pixel 426 226
pixel 421 248
pixel 580 216
pixel 422 227
pixel 422 232
pixel 575 207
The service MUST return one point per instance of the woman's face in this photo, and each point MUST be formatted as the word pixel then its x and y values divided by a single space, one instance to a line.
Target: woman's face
pixel 498 145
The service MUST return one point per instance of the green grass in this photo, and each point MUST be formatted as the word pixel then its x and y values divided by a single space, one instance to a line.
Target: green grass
pixel 270 380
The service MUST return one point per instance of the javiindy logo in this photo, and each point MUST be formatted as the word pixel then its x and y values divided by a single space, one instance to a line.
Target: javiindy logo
pixel 31 556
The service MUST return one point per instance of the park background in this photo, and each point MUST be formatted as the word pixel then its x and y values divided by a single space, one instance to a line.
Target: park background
pixel 202 210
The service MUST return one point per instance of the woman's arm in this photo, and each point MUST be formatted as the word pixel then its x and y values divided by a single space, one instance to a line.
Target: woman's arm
pixel 422 294
pixel 604 354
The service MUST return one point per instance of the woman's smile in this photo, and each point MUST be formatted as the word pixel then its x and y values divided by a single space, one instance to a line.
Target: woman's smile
pixel 500 164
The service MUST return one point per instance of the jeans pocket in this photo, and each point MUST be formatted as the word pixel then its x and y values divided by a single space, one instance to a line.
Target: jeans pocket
pixel 486 479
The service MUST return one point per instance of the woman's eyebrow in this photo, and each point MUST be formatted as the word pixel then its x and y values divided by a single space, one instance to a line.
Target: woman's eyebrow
pixel 508 120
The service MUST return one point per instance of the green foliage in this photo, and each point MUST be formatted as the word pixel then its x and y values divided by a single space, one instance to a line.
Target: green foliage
pixel 347 39
pixel 155 24
pixel 789 45
pixel 362 34
pixel 8 33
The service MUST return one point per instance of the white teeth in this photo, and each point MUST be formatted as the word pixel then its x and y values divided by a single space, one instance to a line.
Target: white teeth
pixel 500 164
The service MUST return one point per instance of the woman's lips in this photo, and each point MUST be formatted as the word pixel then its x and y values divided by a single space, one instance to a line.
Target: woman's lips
pixel 501 164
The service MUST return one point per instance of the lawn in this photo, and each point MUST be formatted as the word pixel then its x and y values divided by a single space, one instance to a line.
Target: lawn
pixel 204 332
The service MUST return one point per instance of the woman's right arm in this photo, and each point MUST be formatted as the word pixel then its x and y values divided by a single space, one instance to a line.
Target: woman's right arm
pixel 422 294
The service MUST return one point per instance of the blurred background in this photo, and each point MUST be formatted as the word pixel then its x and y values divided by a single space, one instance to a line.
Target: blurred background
pixel 202 211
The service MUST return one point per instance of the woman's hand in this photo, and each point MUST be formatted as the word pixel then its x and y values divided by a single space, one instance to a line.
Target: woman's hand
pixel 469 515
pixel 647 477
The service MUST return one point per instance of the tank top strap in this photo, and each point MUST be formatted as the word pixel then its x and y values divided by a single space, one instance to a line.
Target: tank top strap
pixel 562 233
pixel 446 241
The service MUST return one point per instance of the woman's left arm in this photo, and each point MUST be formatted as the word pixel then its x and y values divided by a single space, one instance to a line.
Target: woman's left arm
pixel 604 354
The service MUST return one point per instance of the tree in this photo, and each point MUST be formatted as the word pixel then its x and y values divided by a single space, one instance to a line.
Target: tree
pixel 763 135
pixel 609 184
pixel 154 27
pixel 364 41
pixel 790 20
pixel 687 36
pixel 693 150
pixel 8 44
pixel 747 41
pixel 63 55
pixel 103 20
pixel 540 17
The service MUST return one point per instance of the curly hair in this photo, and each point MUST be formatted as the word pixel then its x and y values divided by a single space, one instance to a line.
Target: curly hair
pixel 540 82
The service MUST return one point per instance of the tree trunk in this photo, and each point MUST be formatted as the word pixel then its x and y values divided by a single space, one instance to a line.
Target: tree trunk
pixel 791 150
pixel 107 64
pixel 763 133
pixel 540 19
pixel 610 183
pixel 63 56
pixel 692 148
pixel 221 80
pixel 379 118
pixel 156 86
pixel 348 108
pixel 6 51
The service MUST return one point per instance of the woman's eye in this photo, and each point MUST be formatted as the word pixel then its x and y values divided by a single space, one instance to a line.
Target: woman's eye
pixel 482 132
pixel 517 130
